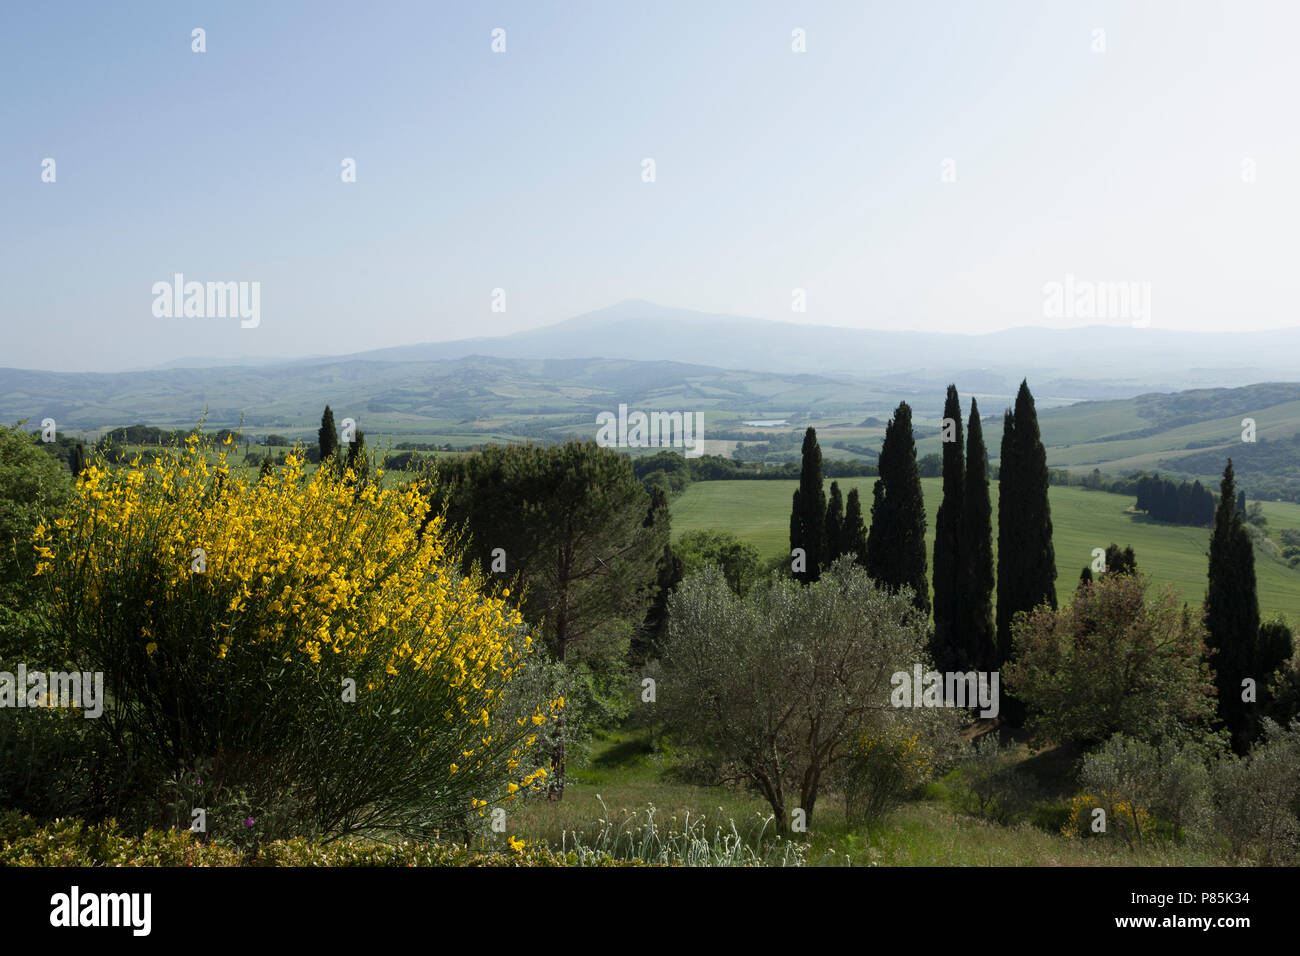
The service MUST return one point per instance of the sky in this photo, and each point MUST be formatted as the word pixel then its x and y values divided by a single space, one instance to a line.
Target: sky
pixel 920 165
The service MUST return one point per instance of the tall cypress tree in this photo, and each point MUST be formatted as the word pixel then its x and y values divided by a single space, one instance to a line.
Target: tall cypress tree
pixel 328 437
pixel 1010 475
pixel 357 459
pixel 796 525
pixel 808 517
pixel 854 533
pixel 974 606
pixel 1232 614
pixel 947 540
pixel 834 525
pixel 896 540
pixel 1026 557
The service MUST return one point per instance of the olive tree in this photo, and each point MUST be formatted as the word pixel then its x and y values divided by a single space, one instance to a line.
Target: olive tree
pixel 776 688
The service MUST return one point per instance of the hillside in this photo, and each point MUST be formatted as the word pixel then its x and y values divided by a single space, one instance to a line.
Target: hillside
pixel 1093 362
pixel 470 400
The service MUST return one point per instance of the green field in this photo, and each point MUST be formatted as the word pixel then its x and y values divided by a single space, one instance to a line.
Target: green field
pixel 759 512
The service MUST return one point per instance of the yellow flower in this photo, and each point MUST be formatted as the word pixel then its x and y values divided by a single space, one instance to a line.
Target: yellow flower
pixel 517 845
pixel 151 647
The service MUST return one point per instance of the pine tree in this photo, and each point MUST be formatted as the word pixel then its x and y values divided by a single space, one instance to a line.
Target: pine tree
pixel 327 437
pixel 1026 557
pixel 834 525
pixel 854 532
pixel 947 542
pixel 896 540
pixel 1232 614
pixel 974 607
pixel 808 517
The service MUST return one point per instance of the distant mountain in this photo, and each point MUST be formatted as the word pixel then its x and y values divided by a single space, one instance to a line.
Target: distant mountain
pixel 1092 362
pixel 209 361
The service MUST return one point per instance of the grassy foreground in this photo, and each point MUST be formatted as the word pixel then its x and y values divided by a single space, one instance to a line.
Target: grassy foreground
pixel 626 776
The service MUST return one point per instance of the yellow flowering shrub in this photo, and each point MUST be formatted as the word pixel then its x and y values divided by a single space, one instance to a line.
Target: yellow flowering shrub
pixel 1123 818
pixel 881 766
pixel 302 634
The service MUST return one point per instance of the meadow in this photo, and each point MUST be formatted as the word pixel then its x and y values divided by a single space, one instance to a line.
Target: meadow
pixel 759 512
pixel 633 781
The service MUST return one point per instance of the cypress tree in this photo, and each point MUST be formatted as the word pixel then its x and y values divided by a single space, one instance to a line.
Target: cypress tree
pixel 854 532
pixel 1010 474
pixel 357 460
pixel 77 462
pixel 834 525
pixel 1120 562
pixel 327 437
pixel 974 607
pixel 947 542
pixel 1274 648
pixel 896 541
pixel 645 641
pixel 808 517
pixel 1232 614
pixel 1026 557
pixel 796 526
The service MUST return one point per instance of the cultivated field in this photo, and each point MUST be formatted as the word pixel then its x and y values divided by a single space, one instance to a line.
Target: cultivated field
pixel 759 512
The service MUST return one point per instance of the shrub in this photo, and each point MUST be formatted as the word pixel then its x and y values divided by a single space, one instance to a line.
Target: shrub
pixel 880 769
pixel 1146 790
pixel 24 842
pixel 1112 661
pixel 320 656
pixel 739 561
pixel 993 785
pixel 70 842
pixel 1257 797
pixel 1122 818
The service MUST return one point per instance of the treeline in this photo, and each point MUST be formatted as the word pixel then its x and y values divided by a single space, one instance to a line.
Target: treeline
pixel 674 472
pixel 1229 646
pixel 1271 468
pixel 1190 504
pixel 966 634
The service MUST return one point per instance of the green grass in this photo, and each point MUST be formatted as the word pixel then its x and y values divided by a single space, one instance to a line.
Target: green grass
pixel 759 512
pixel 626 777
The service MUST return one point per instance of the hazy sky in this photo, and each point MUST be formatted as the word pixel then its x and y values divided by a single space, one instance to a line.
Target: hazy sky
pixel 522 170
